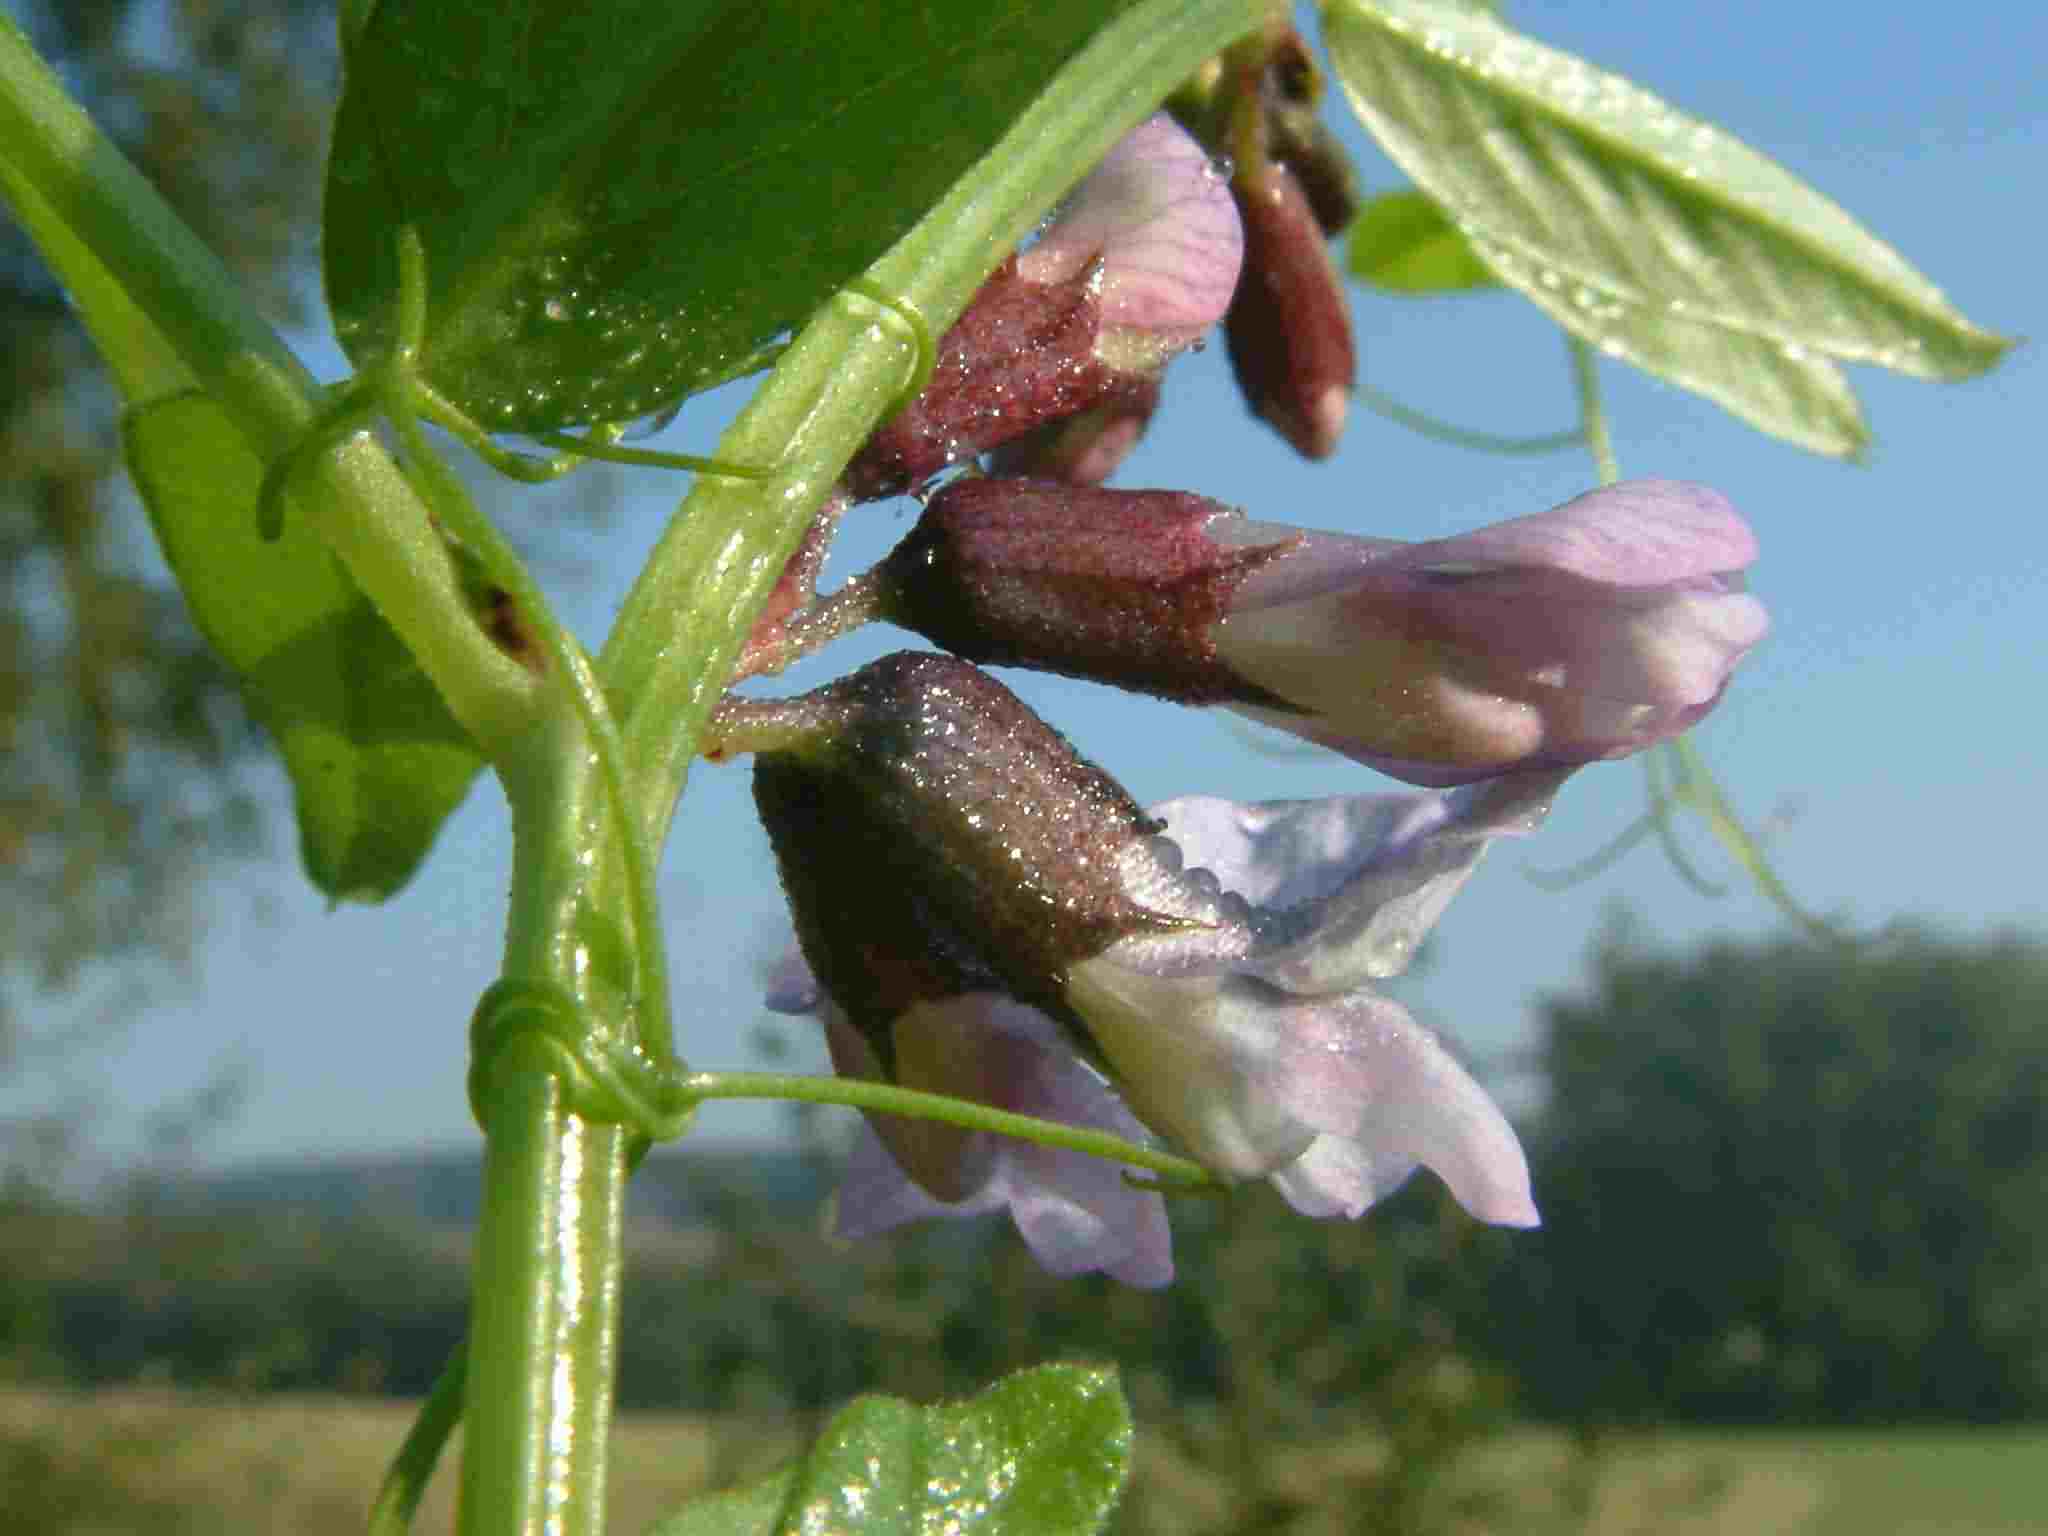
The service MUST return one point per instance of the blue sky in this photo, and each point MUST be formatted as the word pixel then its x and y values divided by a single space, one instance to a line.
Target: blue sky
pixel 1887 730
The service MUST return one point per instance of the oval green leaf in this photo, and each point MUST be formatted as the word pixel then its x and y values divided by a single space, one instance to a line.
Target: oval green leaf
pixel 624 201
pixel 376 761
pixel 1652 235
pixel 1404 242
pixel 1040 1453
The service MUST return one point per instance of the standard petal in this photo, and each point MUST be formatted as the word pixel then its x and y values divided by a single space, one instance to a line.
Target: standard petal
pixel 1638 533
pixel 1162 222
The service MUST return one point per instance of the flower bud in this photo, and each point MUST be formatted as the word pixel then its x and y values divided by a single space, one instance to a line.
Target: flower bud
pixel 797 587
pixel 1589 631
pixel 1289 327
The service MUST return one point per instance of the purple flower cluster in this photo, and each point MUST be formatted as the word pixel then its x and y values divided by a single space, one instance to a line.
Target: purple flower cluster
pixel 983 913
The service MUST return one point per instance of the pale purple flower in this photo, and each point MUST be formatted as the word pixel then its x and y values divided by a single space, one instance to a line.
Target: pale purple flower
pixel 1251 1036
pixel 1234 1018
pixel 1589 631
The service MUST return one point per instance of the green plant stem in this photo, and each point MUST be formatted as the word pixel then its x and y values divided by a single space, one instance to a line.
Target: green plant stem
pixel 413 1467
pixel 163 267
pixel 141 259
pixel 1592 413
pixel 886 1098
pixel 857 603
pixel 1425 425
pixel 544 1321
pixel 598 825
pixel 543 1353
pixel 673 649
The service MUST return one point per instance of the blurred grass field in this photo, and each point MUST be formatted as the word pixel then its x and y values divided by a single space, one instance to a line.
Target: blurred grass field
pixel 172 1463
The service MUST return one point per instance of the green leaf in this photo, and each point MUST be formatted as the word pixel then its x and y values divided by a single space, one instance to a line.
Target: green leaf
pixel 735 1512
pixel 622 202
pixel 1041 1453
pixel 376 761
pixel 1649 233
pixel 1404 242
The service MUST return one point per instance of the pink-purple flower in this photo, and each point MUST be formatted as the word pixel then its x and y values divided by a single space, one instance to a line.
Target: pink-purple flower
pixel 1209 981
pixel 1588 631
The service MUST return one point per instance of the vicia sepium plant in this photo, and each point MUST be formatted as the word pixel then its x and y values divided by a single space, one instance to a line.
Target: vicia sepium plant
pixel 557 220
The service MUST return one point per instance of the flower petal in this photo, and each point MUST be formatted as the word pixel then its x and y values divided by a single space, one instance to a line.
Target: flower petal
pixel 1341 891
pixel 1336 1178
pixel 875 1195
pixel 1162 222
pixel 1638 533
pixel 1251 1080
pixel 1591 630
pixel 791 986
pixel 1078 1213
pixel 1195 1057
pixel 1423 1108
pixel 1075 1212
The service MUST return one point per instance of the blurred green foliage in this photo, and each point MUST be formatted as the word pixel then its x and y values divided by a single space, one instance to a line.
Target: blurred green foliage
pixel 1788 1183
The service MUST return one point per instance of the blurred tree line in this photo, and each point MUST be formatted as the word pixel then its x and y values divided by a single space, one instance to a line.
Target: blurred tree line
pixel 1781 1184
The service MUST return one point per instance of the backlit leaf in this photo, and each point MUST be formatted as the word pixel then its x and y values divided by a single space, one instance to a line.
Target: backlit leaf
pixel 623 200
pixel 376 761
pixel 1041 1453
pixel 1647 232
pixel 1404 242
